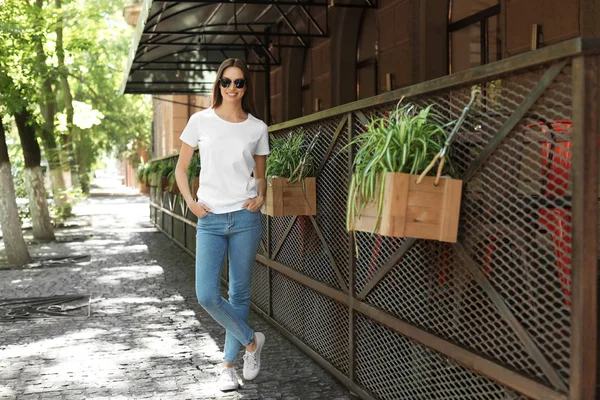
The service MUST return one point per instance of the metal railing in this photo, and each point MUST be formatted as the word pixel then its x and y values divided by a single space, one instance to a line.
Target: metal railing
pixel 508 312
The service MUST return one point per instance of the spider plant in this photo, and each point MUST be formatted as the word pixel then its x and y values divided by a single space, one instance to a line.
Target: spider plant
pixel 171 178
pixel 154 173
pixel 290 158
pixel 139 175
pixel 146 174
pixel 166 167
pixel 193 170
pixel 405 142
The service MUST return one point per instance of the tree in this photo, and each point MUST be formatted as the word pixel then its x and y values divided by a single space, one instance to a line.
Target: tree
pixel 48 108
pixel 16 249
pixel 67 57
pixel 17 93
pixel 63 72
pixel 36 193
pixel 91 46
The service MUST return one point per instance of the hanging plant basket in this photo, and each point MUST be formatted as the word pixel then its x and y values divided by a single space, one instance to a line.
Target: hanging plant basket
pixel 174 188
pixel 153 179
pixel 284 198
pixel 292 187
pixel 143 188
pixel 423 210
pixel 387 196
pixel 195 184
pixel 164 184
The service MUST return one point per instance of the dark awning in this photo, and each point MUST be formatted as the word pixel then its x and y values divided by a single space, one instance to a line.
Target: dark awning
pixel 178 45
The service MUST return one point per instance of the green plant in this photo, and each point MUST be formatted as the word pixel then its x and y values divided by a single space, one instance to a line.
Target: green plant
pixel 171 178
pixel 290 158
pixel 405 142
pixel 166 167
pixel 146 173
pixel 153 173
pixel 155 167
pixel 139 175
pixel 59 214
pixel 193 170
pixel 20 186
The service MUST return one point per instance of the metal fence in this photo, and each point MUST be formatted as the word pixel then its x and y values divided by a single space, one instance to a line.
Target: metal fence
pixel 508 312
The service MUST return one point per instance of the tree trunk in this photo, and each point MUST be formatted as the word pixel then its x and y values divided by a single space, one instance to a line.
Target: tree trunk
pixel 84 147
pixel 48 110
pixel 34 180
pixel 16 249
pixel 68 155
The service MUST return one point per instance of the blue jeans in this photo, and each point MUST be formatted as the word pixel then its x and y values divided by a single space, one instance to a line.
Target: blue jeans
pixel 238 235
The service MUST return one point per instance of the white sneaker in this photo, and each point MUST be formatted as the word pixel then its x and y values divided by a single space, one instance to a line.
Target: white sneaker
pixel 252 359
pixel 227 380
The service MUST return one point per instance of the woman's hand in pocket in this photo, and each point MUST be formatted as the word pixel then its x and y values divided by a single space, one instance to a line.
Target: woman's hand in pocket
pixel 254 204
pixel 199 210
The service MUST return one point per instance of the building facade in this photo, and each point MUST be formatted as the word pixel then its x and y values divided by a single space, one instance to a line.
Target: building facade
pixel 375 50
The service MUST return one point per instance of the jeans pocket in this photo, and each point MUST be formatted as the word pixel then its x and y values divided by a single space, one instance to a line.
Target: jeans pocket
pixel 205 216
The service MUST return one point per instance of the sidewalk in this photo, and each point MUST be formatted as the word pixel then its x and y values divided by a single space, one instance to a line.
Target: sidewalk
pixel 146 336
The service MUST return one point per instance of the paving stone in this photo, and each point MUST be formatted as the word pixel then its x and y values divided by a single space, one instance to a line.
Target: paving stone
pixel 146 337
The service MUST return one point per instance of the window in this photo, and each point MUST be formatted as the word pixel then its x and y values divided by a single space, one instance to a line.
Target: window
pixel 474 33
pixel 306 80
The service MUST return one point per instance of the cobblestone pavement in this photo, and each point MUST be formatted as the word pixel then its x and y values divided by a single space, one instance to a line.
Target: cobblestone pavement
pixel 146 336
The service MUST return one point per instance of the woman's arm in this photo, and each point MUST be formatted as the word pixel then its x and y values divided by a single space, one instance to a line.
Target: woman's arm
pixel 259 175
pixel 260 167
pixel 185 156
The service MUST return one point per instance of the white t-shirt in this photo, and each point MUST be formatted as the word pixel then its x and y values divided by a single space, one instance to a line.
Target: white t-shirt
pixel 226 158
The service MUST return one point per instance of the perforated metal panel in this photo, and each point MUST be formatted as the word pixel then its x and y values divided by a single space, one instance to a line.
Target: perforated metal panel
pixel 303 248
pixel 508 208
pixel 259 291
pixel 318 321
pixel 394 367
pixel 513 239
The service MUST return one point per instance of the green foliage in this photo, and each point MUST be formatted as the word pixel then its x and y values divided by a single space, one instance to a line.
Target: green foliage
pixel 171 178
pixel 290 158
pixel 139 174
pixel 20 27
pixel 20 188
pixel 59 214
pixel 193 170
pixel 166 168
pixel 406 142
pixel 155 167
pixel 146 173
pixel 96 43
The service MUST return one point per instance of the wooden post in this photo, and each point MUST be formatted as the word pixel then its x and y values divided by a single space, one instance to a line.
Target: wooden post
pixel 584 247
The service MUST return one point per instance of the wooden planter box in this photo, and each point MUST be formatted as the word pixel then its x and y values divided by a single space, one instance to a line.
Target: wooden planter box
pixel 419 211
pixel 285 198
pixel 174 188
pixel 143 188
pixel 164 184
pixel 153 179
pixel 195 184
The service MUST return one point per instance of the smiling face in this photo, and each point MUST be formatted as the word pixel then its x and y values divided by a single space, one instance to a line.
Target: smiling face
pixel 232 94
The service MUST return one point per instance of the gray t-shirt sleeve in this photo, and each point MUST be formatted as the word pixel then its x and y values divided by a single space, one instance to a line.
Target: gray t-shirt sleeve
pixel 190 134
pixel 262 148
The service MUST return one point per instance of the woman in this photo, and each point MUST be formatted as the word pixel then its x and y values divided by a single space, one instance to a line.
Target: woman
pixel 233 148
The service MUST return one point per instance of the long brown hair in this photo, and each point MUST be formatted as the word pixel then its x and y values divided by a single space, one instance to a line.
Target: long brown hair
pixel 248 99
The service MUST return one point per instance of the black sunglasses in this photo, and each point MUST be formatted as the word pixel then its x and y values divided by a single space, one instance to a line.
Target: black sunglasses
pixel 239 83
